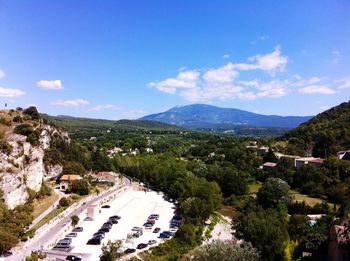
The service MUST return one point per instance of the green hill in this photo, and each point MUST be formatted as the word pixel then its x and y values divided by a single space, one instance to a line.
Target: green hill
pixel 74 123
pixel 324 134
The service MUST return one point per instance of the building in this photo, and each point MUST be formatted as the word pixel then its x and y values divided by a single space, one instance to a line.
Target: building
pixel 344 155
pixel 262 151
pixel 268 165
pixel 339 242
pixel 106 177
pixel 66 180
pixel 281 155
pixel 299 162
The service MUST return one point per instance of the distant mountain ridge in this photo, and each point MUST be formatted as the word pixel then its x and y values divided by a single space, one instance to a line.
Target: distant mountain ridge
pixel 198 116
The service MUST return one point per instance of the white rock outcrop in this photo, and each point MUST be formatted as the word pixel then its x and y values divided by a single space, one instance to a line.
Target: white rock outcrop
pixel 24 168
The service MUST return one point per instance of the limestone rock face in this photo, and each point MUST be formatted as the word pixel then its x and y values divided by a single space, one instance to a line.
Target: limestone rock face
pixel 24 167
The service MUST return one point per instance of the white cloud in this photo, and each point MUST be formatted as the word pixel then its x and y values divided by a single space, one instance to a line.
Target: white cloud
pixel 10 93
pixel 271 62
pixel 2 74
pixel 220 83
pixel 71 103
pixel 226 56
pixel 344 83
pixel 224 74
pixel 317 89
pixel 184 80
pixel 50 85
pixel 272 89
pixel 104 106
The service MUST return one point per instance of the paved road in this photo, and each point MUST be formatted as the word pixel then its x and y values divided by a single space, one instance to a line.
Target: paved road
pixel 38 241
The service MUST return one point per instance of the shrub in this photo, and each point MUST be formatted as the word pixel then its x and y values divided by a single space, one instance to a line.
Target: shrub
pixel 80 187
pixel 5 147
pixel 17 119
pixel 32 112
pixel 64 202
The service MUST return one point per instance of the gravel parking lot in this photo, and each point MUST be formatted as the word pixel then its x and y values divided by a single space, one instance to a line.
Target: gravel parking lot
pixel 134 207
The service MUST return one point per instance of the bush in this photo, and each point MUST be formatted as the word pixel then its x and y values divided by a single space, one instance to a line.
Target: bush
pixel 5 147
pixel 80 187
pixel 32 112
pixel 64 202
pixel 17 119
pixel 33 136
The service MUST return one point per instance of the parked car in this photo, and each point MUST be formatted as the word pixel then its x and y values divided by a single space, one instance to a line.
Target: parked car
pixel 156 230
pixel 152 242
pixel 113 220
pixel 106 206
pixel 72 234
pixel 154 216
pixel 164 235
pixel 115 216
pixel 104 229
pixel 173 229
pixel 141 245
pixel 78 229
pixel 136 229
pixel 6 253
pixel 99 234
pixel 66 239
pixel 94 241
pixel 73 258
pixel 151 221
pixel 129 250
pixel 169 233
pixel 88 219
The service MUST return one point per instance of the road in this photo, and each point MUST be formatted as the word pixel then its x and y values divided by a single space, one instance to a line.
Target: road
pixel 38 241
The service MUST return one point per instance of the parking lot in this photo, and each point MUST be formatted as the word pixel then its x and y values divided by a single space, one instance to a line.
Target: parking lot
pixel 134 207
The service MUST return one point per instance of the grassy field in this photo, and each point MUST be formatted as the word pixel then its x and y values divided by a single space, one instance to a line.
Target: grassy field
pixel 308 200
pixel 48 217
pixel 254 188
pixel 42 204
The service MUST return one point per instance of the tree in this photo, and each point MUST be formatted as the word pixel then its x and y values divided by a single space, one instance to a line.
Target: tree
pixel 264 229
pixel 273 192
pixel 7 240
pixel 32 112
pixel 64 202
pixel 80 187
pixel 75 220
pixel 110 251
pixel 224 251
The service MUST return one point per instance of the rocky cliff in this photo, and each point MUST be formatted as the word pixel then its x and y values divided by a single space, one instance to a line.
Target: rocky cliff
pixel 22 165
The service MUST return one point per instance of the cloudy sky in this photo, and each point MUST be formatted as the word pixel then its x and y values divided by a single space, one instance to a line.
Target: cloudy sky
pixel 125 59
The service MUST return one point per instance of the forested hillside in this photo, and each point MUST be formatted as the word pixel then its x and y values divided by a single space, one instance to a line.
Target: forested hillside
pixel 325 134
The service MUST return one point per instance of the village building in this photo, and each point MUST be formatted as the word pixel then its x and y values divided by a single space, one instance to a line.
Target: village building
pixel 300 162
pixel 268 165
pixel 344 155
pixel 66 180
pixel 339 242
pixel 262 151
pixel 106 177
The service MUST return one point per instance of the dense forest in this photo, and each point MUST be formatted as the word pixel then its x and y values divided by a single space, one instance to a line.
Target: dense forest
pixel 323 135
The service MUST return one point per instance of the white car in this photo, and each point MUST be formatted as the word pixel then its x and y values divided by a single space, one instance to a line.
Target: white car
pixel 173 229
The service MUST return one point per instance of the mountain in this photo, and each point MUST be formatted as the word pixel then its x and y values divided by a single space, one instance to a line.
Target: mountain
pixel 199 116
pixel 324 134
pixel 72 123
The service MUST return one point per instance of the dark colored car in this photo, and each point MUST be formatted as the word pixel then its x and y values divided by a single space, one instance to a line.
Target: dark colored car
pixel 141 246
pixel 106 206
pixel 104 230
pixel 94 241
pixel 6 253
pixel 156 230
pixel 168 232
pixel 129 250
pixel 115 216
pixel 78 229
pixel 113 220
pixel 164 235
pixel 73 258
pixel 100 235
pixel 108 223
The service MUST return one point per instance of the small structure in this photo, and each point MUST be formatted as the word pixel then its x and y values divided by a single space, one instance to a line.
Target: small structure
pixel 344 155
pixel 339 242
pixel 66 180
pixel 262 151
pixel 106 177
pixel 268 165
pixel 149 150
pixel 281 155
pixel 299 162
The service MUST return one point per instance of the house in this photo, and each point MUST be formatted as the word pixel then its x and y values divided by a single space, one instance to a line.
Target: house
pixel 299 162
pixel 339 242
pixel 344 155
pixel 268 165
pixel 281 155
pixel 114 151
pixel 106 177
pixel 262 151
pixel 66 180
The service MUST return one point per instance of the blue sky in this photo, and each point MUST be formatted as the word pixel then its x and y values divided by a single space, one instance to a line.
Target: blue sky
pixel 125 59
